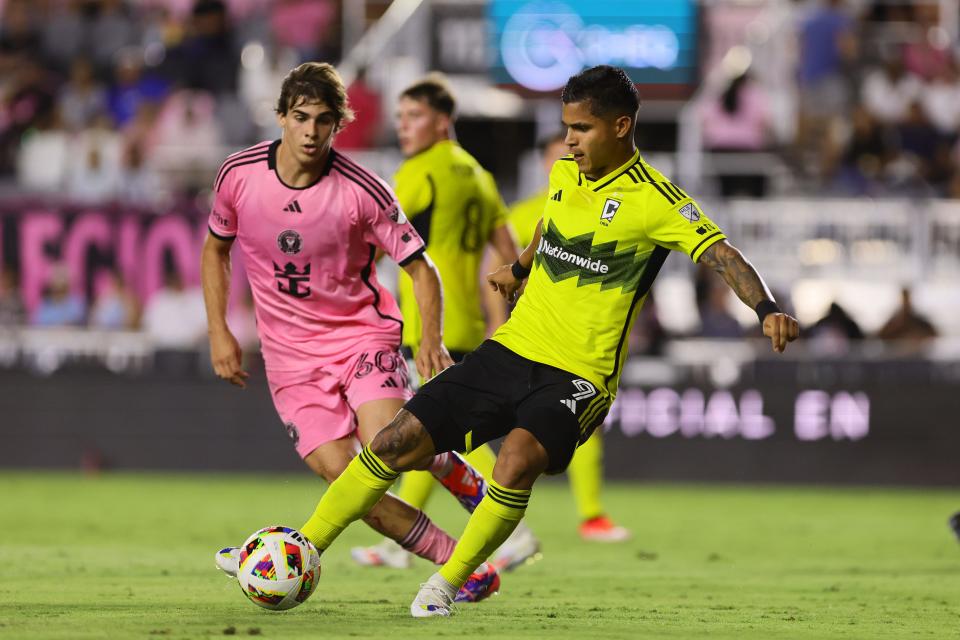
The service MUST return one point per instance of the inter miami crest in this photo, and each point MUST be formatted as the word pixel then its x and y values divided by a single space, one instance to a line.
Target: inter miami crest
pixel 289 242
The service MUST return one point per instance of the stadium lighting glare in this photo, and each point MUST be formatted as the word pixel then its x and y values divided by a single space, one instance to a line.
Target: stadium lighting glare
pixel 820 252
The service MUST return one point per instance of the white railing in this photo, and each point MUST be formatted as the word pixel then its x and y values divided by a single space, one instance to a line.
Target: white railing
pixel 873 240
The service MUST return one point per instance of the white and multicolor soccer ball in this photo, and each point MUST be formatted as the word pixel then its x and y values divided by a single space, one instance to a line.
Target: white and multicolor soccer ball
pixel 279 568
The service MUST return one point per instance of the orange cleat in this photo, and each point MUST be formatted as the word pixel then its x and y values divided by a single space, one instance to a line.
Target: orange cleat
pixel 602 529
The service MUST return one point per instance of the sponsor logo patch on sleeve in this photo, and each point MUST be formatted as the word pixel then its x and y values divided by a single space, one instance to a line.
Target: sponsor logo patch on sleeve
pixel 690 212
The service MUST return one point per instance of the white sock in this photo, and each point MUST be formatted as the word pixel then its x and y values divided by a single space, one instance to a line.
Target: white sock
pixel 438 580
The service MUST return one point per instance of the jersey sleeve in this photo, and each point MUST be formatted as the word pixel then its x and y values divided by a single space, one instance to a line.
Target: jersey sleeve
pixel 387 227
pixel 415 190
pixel 682 226
pixel 222 221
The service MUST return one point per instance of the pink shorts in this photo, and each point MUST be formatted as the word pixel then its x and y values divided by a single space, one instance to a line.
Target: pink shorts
pixel 319 406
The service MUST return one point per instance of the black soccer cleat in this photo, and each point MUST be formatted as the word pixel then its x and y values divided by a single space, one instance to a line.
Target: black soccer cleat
pixel 955 524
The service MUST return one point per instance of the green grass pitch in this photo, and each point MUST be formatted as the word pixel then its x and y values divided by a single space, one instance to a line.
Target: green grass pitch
pixel 131 556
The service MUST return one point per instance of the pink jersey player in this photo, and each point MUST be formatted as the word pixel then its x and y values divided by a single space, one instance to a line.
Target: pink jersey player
pixel 323 318
pixel 309 255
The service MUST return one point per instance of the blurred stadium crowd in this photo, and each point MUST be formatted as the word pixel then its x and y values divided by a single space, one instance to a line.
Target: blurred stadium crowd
pixel 135 103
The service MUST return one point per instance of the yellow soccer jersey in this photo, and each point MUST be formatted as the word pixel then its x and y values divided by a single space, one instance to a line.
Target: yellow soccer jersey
pixel 454 205
pixel 602 245
pixel 525 215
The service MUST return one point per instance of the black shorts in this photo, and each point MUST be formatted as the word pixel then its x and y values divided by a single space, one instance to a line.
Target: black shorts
pixel 494 390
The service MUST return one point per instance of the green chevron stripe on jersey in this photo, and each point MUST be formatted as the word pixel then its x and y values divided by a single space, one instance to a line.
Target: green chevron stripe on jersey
pixel 578 257
pixel 601 247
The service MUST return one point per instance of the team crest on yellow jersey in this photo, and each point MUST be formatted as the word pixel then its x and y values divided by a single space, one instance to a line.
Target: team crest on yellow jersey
pixel 610 208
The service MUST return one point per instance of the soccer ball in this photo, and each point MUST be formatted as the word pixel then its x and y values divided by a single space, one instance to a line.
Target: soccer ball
pixel 279 568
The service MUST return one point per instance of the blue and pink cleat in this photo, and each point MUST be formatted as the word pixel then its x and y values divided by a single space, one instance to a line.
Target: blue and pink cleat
pixel 464 482
pixel 482 583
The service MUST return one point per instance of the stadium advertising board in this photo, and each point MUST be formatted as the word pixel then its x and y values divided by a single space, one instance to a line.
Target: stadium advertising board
pixel 720 413
pixel 766 431
pixel 878 432
pixel 539 44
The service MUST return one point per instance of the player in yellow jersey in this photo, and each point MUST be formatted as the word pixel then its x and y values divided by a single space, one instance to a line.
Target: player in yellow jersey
pixel 586 469
pixel 548 376
pixel 454 205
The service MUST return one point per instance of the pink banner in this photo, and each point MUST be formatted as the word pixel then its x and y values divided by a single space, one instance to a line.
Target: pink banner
pixel 89 243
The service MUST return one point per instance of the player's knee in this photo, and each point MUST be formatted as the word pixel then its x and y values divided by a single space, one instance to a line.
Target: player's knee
pixel 328 467
pixel 520 462
pixel 404 444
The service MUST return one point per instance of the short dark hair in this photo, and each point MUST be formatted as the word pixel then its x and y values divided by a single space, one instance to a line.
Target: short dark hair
pixel 315 82
pixel 433 90
pixel 607 89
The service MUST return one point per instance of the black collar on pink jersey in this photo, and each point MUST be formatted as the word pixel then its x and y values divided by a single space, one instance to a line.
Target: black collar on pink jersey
pixel 272 164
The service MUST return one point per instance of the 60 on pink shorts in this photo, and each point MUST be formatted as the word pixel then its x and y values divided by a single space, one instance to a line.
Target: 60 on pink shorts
pixel 319 405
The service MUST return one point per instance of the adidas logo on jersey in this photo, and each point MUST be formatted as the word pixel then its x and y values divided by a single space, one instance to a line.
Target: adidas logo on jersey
pixel 556 197
pixel 293 207
pixel 390 383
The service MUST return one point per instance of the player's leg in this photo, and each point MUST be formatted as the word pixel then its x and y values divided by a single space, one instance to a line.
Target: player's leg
pixel 556 411
pixel 424 538
pixel 376 384
pixel 322 427
pixel 520 462
pixel 586 483
pixel 403 524
pixel 402 446
pixel 462 480
pixel 313 414
pixel 417 486
pixel 408 527
pixel 361 488
pixel 462 476
pixel 520 548
pixel 455 398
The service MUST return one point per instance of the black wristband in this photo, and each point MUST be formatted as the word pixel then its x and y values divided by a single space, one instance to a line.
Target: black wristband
pixel 519 271
pixel 765 308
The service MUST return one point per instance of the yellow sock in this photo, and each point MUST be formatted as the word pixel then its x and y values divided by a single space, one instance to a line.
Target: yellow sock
pixel 493 521
pixel 586 477
pixel 417 486
pixel 349 498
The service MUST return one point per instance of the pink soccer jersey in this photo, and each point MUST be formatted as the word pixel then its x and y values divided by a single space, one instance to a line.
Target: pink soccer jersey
pixel 309 255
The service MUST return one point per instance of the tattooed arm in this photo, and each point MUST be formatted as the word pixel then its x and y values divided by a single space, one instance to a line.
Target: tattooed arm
pixel 740 275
